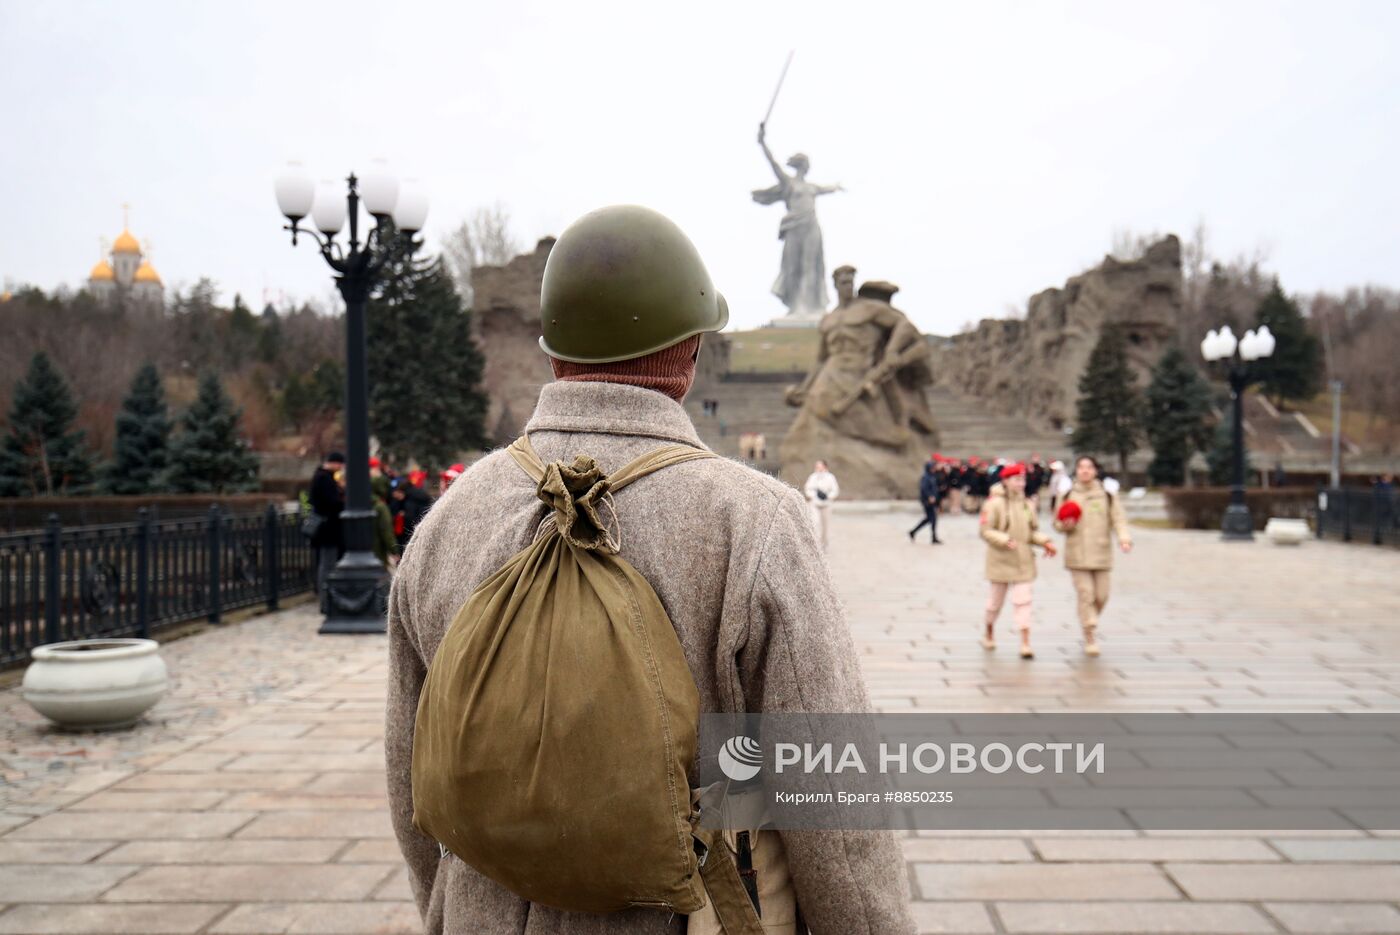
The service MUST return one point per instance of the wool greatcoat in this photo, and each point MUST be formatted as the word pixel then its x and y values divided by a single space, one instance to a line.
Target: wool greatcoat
pixel 731 554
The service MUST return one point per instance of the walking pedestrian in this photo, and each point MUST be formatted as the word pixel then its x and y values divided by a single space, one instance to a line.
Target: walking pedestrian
pixel 327 500
pixel 928 499
pixel 728 550
pixel 1090 517
pixel 1010 529
pixel 822 490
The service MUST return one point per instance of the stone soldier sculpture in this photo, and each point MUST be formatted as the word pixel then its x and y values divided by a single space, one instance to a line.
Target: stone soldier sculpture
pixel 844 279
pixel 864 399
pixel 801 282
pixel 904 371
pixel 871 369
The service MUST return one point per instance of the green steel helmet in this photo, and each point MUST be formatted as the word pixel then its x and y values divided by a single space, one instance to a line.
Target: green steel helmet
pixel 623 282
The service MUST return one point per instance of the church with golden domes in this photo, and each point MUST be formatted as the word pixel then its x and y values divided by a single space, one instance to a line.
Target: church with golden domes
pixel 126 272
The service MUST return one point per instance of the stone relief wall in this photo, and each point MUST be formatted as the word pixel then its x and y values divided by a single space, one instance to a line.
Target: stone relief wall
pixel 1032 366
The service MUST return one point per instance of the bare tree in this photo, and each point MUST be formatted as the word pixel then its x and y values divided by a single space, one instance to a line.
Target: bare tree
pixel 1363 327
pixel 483 239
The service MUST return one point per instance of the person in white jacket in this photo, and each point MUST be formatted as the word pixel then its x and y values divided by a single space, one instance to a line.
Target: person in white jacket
pixel 821 489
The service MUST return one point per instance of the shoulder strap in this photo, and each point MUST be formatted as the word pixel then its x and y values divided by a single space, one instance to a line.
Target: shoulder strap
pixel 656 459
pixel 524 454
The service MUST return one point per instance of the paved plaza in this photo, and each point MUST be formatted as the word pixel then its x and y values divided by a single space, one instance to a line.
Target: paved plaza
pixel 252 799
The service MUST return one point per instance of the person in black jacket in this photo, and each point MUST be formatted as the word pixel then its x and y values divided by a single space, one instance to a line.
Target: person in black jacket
pixel 954 494
pixel 411 502
pixel 1035 479
pixel 928 498
pixel 327 502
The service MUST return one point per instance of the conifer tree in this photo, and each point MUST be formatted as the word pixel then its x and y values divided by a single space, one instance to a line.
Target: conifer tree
pixel 1220 457
pixel 1293 370
pixel 143 438
pixel 1177 417
pixel 425 397
pixel 42 454
pixel 1109 412
pixel 207 456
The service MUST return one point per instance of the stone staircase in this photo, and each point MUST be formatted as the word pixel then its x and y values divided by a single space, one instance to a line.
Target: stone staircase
pixel 1284 436
pixel 753 402
pixel 970 426
pixel 967 426
pixel 747 403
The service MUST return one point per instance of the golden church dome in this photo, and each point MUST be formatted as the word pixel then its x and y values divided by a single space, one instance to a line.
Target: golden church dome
pixel 147 273
pixel 102 272
pixel 126 243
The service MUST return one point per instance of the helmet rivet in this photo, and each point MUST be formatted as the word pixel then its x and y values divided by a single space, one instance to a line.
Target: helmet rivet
pixel 636 318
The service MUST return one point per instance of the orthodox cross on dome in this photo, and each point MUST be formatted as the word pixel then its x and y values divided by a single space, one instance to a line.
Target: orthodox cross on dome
pixel 126 215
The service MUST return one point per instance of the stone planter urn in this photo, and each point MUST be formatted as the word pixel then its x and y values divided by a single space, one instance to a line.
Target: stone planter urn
pixel 96 684
pixel 1286 531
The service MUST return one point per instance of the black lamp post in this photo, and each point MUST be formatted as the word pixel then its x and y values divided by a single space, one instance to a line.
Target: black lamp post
pixel 1237 524
pixel 354 598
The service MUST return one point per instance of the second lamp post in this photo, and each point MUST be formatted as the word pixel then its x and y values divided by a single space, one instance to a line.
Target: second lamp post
pixel 354 598
pixel 1222 345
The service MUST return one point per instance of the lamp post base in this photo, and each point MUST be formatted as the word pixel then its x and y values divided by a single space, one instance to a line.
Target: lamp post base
pixel 356 596
pixel 1238 525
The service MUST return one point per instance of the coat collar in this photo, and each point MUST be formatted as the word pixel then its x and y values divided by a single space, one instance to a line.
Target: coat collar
pixel 611 409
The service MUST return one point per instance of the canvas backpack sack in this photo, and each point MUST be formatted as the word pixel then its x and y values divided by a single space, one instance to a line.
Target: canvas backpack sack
pixel 558 719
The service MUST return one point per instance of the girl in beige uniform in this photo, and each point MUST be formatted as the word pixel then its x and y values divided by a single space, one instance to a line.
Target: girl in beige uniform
pixel 1090 516
pixel 1010 529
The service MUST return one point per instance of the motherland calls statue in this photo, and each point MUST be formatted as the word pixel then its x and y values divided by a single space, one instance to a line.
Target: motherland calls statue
pixel 863 405
pixel 801 282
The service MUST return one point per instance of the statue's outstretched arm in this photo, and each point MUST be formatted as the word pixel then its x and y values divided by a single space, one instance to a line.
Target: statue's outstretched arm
pixel 783 177
pixel 828 189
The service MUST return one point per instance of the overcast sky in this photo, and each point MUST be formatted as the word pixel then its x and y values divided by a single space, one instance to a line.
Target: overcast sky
pixel 989 150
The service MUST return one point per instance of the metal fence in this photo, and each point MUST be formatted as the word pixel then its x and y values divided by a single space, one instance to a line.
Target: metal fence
pixel 130 579
pixel 1358 515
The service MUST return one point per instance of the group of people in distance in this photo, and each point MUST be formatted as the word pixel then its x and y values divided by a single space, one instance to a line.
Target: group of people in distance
pixel 950 485
pixel 400 501
pixel 1007 496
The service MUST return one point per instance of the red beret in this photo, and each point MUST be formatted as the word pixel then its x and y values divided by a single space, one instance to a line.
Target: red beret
pixel 1011 470
pixel 1069 510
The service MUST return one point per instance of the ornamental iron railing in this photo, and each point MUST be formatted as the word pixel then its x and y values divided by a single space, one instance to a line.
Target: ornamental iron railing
pixel 132 579
pixel 1353 514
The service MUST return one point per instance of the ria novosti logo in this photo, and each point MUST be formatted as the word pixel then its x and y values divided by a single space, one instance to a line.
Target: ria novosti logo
pixel 740 758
